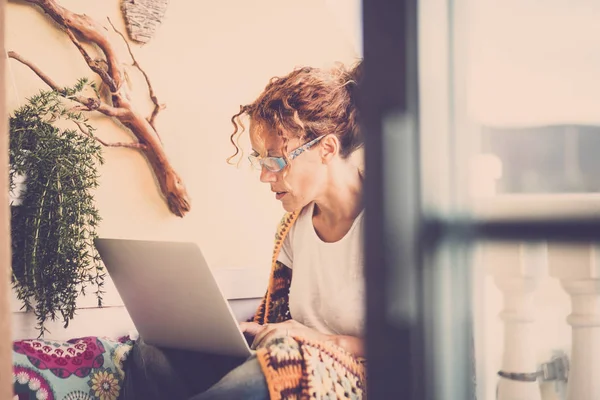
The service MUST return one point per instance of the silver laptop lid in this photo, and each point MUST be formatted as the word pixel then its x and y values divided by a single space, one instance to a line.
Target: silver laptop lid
pixel 172 296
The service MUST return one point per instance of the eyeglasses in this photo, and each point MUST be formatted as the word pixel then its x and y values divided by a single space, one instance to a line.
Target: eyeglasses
pixel 276 164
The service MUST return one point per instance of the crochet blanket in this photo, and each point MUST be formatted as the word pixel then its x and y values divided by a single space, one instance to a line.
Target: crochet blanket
pixel 296 368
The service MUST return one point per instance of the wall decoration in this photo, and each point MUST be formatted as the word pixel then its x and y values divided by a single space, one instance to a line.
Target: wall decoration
pixel 143 17
pixel 81 28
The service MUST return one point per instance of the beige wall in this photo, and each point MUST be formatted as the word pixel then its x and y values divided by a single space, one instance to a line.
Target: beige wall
pixel 206 59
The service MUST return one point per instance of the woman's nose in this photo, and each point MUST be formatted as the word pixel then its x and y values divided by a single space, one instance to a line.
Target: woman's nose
pixel 267 176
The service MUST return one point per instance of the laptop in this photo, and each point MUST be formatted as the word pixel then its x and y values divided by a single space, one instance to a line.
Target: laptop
pixel 172 296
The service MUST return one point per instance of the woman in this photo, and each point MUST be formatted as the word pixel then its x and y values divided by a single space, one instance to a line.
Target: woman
pixel 308 331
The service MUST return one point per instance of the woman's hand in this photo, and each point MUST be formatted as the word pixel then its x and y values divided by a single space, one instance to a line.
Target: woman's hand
pixel 263 333
pixel 251 328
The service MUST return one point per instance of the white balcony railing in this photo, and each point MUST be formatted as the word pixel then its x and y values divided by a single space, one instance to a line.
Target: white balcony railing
pixel 532 279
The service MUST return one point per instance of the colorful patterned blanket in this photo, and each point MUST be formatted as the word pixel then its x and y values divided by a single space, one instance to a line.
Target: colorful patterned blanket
pixel 87 368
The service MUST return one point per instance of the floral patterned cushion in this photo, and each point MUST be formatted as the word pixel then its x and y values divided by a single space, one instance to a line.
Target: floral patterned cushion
pixel 80 369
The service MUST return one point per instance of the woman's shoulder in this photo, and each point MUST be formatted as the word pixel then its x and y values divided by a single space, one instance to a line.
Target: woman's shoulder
pixel 307 212
pixel 290 218
pixel 285 224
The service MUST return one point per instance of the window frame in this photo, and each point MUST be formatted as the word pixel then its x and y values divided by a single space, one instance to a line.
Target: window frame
pixel 410 254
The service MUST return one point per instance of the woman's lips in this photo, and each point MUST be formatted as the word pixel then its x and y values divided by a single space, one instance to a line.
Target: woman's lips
pixel 279 195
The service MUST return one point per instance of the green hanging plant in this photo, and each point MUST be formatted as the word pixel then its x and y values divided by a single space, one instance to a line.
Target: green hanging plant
pixel 54 220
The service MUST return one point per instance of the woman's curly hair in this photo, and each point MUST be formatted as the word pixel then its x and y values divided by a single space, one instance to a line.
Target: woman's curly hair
pixel 308 103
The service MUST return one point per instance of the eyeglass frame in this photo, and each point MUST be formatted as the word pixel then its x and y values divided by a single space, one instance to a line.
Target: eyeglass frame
pixel 258 163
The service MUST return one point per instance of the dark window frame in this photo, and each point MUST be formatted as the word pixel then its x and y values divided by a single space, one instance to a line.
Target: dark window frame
pixel 401 337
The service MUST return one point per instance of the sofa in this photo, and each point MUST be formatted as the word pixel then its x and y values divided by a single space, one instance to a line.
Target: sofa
pixel 93 367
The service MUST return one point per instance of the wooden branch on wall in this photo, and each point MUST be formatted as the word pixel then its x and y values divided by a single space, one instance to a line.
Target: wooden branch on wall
pixel 81 27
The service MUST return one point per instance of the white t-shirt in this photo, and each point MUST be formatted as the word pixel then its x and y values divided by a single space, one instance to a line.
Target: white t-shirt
pixel 327 291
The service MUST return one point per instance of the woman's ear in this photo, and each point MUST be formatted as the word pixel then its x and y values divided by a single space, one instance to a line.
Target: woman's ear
pixel 329 148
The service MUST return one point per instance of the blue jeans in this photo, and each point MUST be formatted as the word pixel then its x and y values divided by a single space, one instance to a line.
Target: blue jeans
pixel 243 382
pixel 153 373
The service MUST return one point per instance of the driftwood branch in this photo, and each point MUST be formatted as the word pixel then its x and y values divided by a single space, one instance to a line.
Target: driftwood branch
pixel 88 103
pixel 81 27
pixel 36 70
pixel 99 67
pixel 137 146
pixel 157 106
